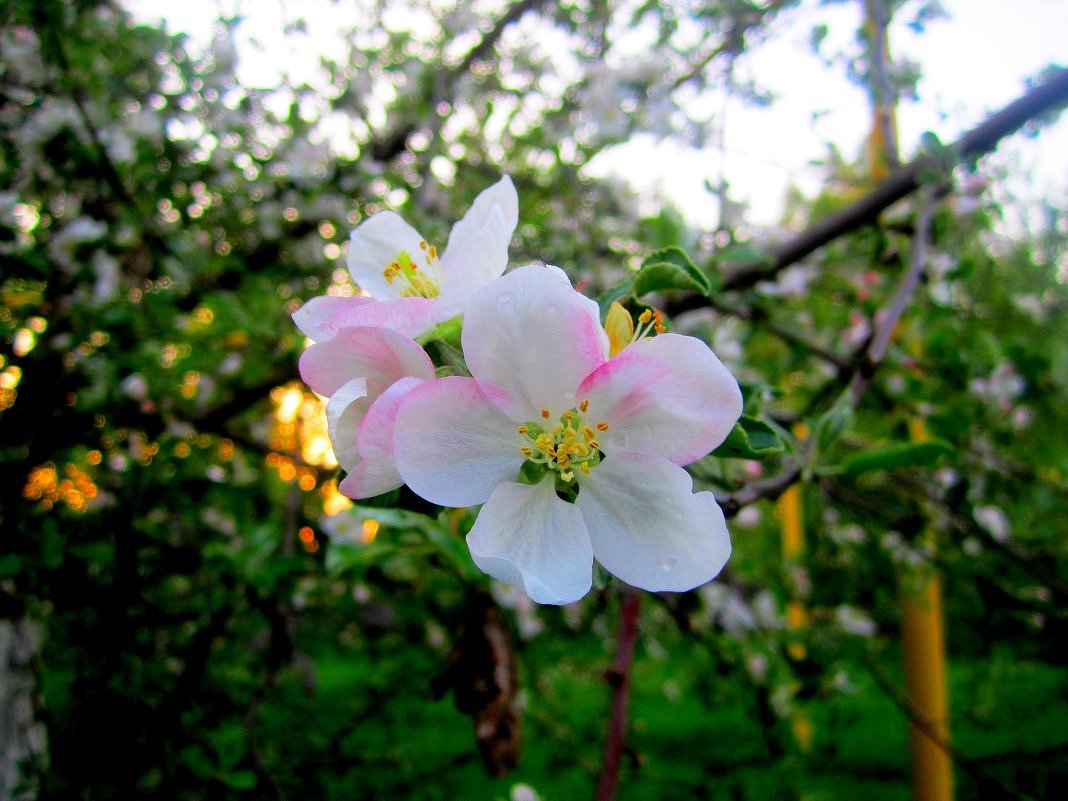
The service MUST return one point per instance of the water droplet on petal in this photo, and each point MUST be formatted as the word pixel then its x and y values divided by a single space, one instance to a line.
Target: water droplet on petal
pixel 551 310
pixel 670 563
pixel 506 300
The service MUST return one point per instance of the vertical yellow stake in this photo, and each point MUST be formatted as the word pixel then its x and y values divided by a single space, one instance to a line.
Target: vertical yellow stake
pixel 793 546
pixel 924 645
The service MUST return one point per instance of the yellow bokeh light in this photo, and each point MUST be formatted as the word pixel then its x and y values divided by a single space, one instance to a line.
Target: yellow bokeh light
pixel 370 530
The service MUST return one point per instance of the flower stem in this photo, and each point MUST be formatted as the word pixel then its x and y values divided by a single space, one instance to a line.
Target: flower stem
pixel 619 678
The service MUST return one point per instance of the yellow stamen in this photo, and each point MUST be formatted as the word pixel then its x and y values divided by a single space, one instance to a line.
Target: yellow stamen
pixel 526 451
pixel 584 406
pixel 522 430
pixel 585 467
pixel 602 426
pixel 545 413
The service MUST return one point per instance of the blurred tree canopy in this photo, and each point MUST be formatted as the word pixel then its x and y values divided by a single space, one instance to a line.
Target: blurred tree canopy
pixel 195 612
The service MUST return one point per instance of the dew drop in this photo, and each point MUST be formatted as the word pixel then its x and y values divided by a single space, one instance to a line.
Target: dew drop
pixel 551 310
pixel 506 300
pixel 670 563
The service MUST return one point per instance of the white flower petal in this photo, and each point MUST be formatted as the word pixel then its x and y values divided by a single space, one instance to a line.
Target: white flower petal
pixel 648 527
pixel 375 244
pixel 344 413
pixel 526 535
pixel 473 262
pixel 322 317
pixel 496 207
pixel 452 444
pixel 669 396
pixel 530 339
pixel 376 470
pixel 377 354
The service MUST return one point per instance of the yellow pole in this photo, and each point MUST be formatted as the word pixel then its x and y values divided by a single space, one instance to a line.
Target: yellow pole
pixel 791 515
pixel 924 643
pixel 923 638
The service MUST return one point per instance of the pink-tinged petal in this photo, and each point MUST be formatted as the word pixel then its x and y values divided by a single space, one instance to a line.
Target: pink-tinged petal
pixel 530 337
pixel 376 244
pixel 317 318
pixel 344 413
pixel 322 317
pixel 497 208
pixel 376 470
pixel 648 527
pixel 669 396
pixel 452 444
pixel 526 535
pixel 377 354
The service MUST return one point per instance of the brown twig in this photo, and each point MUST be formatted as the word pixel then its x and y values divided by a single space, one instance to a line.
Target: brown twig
pixel 619 678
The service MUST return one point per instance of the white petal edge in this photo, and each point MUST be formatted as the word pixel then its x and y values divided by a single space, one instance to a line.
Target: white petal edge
pixel 525 535
pixel 501 198
pixel 648 527
pixel 376 470
pixel 344 413
pixel 668 396
pixel 473 262
pixel 375 244
pixel 530 336
pixel 452 445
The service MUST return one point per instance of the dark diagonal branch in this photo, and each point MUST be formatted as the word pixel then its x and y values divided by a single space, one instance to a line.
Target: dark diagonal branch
pixel 865 363
pixel 1049 96
pixel 619 678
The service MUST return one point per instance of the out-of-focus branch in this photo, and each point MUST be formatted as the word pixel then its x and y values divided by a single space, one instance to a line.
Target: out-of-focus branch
pixel 1049 96
pixel 733 42
pixel 864 364
pixel 619 678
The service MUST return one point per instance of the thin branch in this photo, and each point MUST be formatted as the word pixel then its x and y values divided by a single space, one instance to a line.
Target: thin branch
pixel 876 351
pixel 1047 97
pixel 865 363
pixel 619 678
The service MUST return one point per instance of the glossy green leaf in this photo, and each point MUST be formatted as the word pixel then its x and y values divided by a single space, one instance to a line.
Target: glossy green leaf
pixel 896 456
pixel 750 439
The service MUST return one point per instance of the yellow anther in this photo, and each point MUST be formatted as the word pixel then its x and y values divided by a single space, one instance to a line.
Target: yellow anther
pixel 602 426
pixel 645 316
pixel 545 413
pixel 563 460
pixel 595 444
pixel 432 252
pixel 588 433
pixel 526 451
pixel 522 430
pixel 585 467
pixel 569 476
pixel 544 443
pixel 584 406
pixel 422 244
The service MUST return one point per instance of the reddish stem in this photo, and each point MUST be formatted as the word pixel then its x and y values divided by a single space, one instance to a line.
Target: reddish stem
pixel 619 678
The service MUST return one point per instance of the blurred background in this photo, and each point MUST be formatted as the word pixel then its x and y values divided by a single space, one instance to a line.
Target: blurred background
pixel 188 607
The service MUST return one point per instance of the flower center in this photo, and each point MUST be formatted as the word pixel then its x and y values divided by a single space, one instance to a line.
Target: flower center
pixel 415 282
pixel 569 445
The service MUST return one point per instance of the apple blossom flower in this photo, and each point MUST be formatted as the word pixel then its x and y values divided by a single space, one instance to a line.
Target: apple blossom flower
pixel 364 371
pixel 412 287
pixel 574 455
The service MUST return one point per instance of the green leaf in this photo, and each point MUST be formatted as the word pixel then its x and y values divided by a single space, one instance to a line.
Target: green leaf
pixel 670 268
pixel 750 439
pixel 10 564
pixel 614 294
pixel 895 456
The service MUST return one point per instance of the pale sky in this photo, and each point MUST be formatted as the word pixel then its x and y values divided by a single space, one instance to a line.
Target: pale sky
pixel 972 64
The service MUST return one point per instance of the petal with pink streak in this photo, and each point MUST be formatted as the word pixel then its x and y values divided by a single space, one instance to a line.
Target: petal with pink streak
pixel 376 470
pixel 526 535
pixel 452 444
pixel 530 336
pixel 377 354
pixel 648 527
pixel 321 318
pixel 668 396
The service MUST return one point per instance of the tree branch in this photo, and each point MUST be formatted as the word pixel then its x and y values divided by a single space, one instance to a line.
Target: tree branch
pixel 1047 97
pixel 619 678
